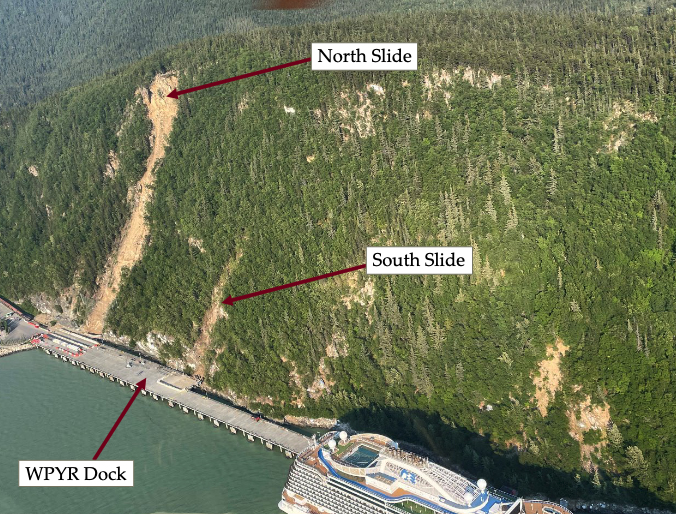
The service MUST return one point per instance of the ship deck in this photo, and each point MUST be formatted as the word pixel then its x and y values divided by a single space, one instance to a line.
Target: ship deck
pixel 538 507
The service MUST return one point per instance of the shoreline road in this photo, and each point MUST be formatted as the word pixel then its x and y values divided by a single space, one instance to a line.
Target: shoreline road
pixel 20 330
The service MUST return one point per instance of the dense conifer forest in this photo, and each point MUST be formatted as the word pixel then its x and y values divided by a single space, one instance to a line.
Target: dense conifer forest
pixel 545 140
pixel 49 45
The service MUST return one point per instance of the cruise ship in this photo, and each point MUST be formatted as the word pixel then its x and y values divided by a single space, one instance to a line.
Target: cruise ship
pixel 370 474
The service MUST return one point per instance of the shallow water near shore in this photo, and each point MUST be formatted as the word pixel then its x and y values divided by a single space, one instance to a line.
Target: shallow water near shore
pixel 50 410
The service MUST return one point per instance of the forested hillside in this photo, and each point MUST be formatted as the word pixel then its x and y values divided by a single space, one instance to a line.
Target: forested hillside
pixel 66 167
pixel 544 141
pixel 49 45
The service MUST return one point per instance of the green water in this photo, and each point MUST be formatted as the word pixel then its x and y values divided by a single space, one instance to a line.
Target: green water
pixel 50 410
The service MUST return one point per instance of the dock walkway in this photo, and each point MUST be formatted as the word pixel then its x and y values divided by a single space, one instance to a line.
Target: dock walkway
pixel 173 387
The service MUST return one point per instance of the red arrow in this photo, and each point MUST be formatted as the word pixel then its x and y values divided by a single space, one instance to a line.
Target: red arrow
pixel 176 94
pixel 139 386
pixel 230 300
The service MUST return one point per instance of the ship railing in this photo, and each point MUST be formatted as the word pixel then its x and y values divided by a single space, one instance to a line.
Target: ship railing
pixel 453 485
pixel 406 457
pixel 308 467
pixel 351 470
pixel 451 482
pixel 388 499
pixel 326 437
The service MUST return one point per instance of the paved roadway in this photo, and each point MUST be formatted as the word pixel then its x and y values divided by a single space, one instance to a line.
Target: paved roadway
pixel 115 362
pixel 20 329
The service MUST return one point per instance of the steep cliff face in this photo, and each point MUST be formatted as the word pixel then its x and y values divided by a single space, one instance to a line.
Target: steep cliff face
pixel 132 242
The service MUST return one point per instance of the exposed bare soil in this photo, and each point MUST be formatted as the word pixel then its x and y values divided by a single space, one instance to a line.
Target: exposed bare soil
pixel 363 296
pixel 548 381
pixel 161 111
pixel 622 122
pixel 439 80
pixel 583 418
pixel 195 356
pixel 354 112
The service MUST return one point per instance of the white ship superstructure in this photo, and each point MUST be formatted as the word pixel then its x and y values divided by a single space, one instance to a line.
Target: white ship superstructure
pixel 369 474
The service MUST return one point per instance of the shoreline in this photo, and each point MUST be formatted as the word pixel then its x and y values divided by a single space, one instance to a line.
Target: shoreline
pixel 9 350
pixel 298 424
pixel 176 389
pixel 575 504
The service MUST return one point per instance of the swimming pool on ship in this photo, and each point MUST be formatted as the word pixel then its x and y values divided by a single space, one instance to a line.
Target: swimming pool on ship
pixel 362 457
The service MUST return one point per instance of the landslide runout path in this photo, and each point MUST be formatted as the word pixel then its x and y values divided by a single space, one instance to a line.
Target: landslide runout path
pixel 161 112
pixel 195 356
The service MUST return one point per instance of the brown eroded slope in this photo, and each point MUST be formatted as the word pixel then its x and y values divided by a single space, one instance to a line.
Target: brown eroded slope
pixel 195 357
pixel 585 417
pixel 548 380
pixel 161 111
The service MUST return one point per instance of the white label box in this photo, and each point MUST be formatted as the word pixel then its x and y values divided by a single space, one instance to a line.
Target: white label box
pixel 76 473
pixel 365 56
pixel 419 260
